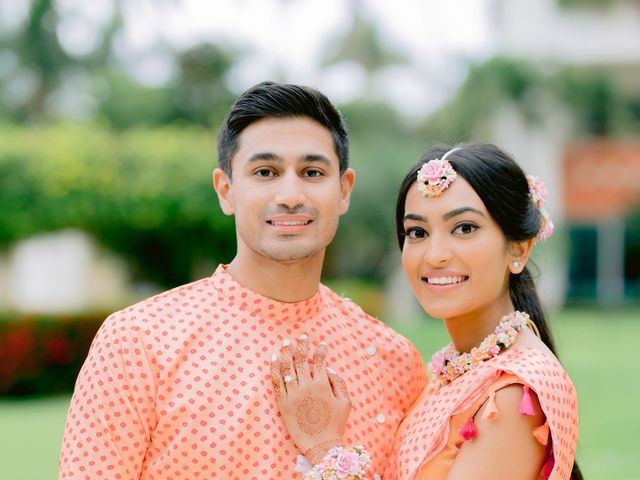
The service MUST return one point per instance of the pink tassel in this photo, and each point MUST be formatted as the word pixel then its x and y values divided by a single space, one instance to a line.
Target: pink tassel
pixel 491 412
pixel 542 434
pixel 468 429
pixel 548 467
pixel 526 406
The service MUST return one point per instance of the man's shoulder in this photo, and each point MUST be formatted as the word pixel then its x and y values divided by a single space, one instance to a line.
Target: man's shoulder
pixel 170 300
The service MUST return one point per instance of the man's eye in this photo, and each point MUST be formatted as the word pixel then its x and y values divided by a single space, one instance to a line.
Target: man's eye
pixel 264 172
pixel 313 173
pixel 465 228
pixel 415 233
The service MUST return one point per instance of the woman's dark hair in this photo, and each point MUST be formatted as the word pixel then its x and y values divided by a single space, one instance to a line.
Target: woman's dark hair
pixel 280 100
pixel 503 188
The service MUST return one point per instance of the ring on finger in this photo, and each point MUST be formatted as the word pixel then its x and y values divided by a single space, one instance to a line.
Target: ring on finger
pixel 289 378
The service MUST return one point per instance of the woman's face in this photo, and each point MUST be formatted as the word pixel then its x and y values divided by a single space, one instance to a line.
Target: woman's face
pixel 455 255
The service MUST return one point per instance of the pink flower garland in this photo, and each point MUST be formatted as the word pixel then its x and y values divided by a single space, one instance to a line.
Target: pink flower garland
pixel 448 364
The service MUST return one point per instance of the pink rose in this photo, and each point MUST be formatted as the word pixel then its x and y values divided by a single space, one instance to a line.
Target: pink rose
pixel 432 171
pixel 538 190
pixel 347 463
pixel 546 227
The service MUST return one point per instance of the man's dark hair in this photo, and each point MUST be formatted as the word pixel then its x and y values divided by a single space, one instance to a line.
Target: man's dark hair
pixel 269 100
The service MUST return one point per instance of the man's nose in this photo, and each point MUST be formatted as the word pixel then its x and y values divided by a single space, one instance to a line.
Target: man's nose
pixel 290 191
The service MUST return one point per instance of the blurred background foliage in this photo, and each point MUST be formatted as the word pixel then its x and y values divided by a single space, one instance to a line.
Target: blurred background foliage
pixel 144 194
pixel 592 100
pixel 135 173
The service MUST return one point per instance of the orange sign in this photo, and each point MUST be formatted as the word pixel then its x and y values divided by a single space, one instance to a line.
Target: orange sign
pixel 602 179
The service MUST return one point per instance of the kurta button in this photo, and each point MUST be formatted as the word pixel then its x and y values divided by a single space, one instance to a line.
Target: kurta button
pixel 381 418
pixel 371 349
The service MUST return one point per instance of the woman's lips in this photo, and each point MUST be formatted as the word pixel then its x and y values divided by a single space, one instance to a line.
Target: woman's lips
pixel 442 281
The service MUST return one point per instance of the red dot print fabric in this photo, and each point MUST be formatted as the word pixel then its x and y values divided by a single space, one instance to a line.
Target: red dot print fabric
pixel 177 386
pixel 425 431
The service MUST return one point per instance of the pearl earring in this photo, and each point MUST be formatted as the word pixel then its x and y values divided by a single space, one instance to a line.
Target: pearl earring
pixel 516 264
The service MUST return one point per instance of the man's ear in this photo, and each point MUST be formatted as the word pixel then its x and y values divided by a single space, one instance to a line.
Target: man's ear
pixel 519 253
pixel 222 186
pixel 347 179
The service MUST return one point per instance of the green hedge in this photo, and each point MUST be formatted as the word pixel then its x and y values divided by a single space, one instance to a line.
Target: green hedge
pixel 146 194
pixel 41 355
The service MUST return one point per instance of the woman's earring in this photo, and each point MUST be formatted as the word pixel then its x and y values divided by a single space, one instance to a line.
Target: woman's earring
pixel 516 264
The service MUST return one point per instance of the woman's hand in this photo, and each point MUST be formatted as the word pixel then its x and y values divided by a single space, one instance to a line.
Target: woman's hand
pixel 313 400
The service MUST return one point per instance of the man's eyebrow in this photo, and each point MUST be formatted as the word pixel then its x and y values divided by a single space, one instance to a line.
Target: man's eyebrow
pixel 460 211
pixel 261 156
pixel 272 157
pixel 315 157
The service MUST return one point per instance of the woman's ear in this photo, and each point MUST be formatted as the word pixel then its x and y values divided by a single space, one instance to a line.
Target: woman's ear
pixel 519 255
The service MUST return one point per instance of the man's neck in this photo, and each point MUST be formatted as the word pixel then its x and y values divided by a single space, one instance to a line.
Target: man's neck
pixel 284 282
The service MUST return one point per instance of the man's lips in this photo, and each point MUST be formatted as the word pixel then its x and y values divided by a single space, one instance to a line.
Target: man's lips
pixel 290 223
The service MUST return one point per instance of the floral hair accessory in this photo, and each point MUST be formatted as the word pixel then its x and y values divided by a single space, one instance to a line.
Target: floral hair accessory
pixel 341 463
pixel 435 176
pixel 539 194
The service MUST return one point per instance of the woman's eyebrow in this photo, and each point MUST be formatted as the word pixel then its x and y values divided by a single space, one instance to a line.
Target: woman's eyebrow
pixel 415 216
pixel 460 211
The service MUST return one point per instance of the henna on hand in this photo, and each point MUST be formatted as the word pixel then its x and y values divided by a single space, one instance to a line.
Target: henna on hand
pixel 313 415
pixel 300 361
pixel 276 378
pixel 316 453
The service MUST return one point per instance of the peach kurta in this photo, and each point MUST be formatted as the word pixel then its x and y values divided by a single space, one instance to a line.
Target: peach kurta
pixel 425 445
pixel 177 386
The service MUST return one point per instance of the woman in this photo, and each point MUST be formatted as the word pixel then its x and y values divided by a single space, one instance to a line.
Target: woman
pixel 467 219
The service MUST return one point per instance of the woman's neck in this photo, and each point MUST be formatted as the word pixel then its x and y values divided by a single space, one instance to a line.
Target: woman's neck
pixel 469 330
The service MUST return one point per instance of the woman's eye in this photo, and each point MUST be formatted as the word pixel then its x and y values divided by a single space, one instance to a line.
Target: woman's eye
pixel 415 233
pixel 465 228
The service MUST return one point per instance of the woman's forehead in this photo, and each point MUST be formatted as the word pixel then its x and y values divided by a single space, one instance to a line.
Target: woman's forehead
pixel 458 194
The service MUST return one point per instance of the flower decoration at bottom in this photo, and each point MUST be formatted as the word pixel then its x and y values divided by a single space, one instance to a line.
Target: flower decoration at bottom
pixel 341 463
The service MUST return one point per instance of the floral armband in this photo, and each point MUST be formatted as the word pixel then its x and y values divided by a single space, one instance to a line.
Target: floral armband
pixel 341 463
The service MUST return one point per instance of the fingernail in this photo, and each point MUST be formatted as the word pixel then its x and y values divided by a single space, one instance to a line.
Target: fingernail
pixel 303 337
pixel 286 342
pixel 331 370
pixel 274 357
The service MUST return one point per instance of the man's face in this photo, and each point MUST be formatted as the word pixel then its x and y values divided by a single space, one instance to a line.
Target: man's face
pixel 287 192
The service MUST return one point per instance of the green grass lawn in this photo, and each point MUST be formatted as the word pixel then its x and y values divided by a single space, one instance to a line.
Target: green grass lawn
pixel 30 437
pixel 598 349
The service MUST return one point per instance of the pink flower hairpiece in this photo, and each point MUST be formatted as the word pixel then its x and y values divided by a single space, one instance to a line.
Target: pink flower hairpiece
pixel 435 176
pixel 539 194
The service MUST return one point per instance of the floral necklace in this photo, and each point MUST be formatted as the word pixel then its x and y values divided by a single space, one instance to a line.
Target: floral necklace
pixel 448 364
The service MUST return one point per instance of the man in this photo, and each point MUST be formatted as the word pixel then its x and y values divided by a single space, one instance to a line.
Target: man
pixel 177 386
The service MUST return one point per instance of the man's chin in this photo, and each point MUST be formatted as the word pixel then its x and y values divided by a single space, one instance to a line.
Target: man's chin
pixel 290 256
